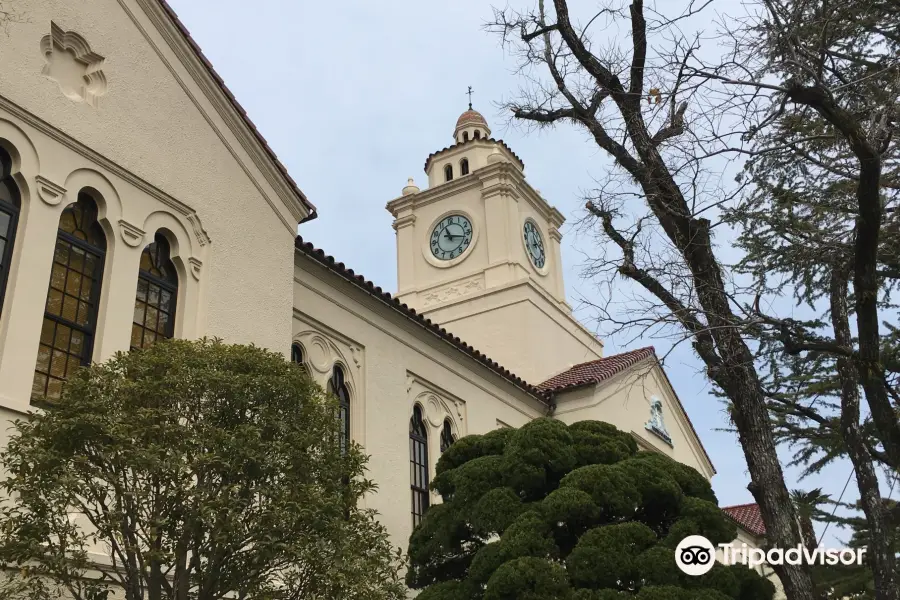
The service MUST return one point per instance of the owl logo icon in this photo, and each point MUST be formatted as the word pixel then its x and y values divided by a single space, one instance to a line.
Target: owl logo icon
pixel 695 555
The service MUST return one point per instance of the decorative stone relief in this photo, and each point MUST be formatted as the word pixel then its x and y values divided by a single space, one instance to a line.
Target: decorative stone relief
pixel 435 411
pixel 73 65
pixel 323 352
pixel 196 266
pixel 49 192
pixel 454 290
pixel 656 424
pixel 438 404
pixel 133 235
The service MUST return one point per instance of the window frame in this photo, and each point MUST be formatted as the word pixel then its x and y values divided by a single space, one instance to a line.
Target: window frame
pixel 163 284
pixel 464 167
pixel 448 438
pixel 448 173
pixel 337 387
pixel 12 210
pixel 89 331
pixel 418 471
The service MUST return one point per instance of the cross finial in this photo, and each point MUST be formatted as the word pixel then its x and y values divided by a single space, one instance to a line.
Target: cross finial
pixel 470 97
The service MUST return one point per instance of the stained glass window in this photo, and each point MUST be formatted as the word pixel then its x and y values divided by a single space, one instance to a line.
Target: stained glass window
pixel 297 356
pixel 418 464
pixel 339 389
pixel 447 437
pixel 157 295
pixel 70 315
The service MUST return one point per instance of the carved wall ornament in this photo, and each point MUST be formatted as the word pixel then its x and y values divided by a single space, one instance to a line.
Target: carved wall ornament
pixel 73 65
pixel 49 192
pixel 196 266
pixel 133 235
pixel 435 411
pixel 656 424
pixel 454 290
pixel 320 355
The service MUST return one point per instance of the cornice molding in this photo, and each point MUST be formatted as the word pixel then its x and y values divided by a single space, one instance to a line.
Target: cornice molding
pixel 405 221
pixel 224 108
pixel 98 159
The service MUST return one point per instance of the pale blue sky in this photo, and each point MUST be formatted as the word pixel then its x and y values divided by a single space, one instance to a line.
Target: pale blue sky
pixel 353 96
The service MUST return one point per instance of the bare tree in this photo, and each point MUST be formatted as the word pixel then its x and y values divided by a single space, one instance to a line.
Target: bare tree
pixel 662 115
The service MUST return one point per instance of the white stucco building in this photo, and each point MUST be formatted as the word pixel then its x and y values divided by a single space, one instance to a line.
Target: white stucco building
pixel 127 166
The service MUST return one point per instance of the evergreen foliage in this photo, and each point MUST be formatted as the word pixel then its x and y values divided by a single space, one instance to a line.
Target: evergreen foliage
pixel 204 471
pixel 568 512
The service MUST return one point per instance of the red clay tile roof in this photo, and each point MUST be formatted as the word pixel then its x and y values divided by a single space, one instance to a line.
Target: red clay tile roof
pixel 471 116
pixel 595 371
pixel 472 141
pixel 748 517
pixel 237 106
pixel 367 286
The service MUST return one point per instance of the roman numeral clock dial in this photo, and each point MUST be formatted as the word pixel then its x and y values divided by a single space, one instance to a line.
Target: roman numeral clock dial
pixel 534 244
pixel 451 237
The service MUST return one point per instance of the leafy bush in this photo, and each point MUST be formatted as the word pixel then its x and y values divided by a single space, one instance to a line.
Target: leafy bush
pixel 557 512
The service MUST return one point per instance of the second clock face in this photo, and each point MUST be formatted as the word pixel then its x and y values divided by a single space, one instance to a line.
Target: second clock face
pixel 534 243
pixel 450 237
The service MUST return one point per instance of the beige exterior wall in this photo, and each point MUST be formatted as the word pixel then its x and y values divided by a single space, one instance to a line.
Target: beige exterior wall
pixel 520 328
pixel 165 149
pixel 391 364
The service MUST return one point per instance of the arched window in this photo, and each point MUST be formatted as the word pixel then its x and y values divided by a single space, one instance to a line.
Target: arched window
pixel 157 295
pixel 70 315
pixel 9 216
pixel 448 172
pixel 447 437
pixel 298 357
pixel 418 464
pixel 465 136
pixel 339 389
pixel 464 166
pixel 477 134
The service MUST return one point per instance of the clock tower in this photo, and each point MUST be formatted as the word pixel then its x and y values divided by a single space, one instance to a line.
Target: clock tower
pixel 478 251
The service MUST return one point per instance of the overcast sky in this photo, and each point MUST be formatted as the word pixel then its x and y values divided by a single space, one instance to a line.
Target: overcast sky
pixel 353 96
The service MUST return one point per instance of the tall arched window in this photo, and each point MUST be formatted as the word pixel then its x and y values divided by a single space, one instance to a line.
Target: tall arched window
pixel 447 437
pixel 465 136
pixel 339 389
pixel 70 315
pixel 10 203
pixel 157 295
pixel 464 166
pixel 418 464
pixel 297 356
pixel 477 134
pixel 448 172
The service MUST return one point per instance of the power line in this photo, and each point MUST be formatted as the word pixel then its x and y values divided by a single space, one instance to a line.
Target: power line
pixel 852 471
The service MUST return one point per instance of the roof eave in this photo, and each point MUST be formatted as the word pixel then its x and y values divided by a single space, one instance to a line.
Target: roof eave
pixel 312 213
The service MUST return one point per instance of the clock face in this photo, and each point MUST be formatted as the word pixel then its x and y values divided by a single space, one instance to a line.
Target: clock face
pixel 450 237
pixel 534 243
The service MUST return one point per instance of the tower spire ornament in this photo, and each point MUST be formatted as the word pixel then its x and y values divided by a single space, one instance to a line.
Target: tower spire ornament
pixel 470 97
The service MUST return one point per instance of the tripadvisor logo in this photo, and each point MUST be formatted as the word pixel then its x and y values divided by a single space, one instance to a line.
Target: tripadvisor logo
pixel 696 555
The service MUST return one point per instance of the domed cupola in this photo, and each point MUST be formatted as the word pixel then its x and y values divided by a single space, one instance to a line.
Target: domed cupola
pixel 471 125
